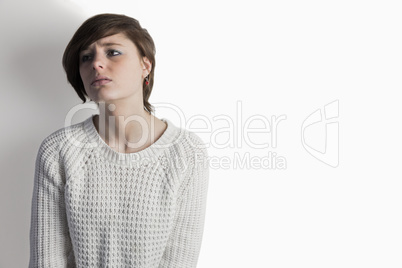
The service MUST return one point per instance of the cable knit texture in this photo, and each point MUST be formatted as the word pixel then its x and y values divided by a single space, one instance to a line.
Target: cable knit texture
pixel 95 207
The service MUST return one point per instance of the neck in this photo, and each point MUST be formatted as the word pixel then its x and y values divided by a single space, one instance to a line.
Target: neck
pixel 125 130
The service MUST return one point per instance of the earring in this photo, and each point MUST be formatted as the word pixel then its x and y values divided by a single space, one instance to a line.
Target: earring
pixel 146 80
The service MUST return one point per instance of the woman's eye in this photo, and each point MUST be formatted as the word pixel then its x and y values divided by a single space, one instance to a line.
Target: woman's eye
pixel 113 52
pixel 85 58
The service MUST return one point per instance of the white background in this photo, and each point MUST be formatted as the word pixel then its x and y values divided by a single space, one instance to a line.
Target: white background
pixel 276 58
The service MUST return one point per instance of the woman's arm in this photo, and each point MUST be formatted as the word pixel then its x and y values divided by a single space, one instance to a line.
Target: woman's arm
pixel 50 244
pixel 184 244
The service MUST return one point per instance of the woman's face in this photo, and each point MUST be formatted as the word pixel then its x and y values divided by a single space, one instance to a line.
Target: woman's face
pixel 112 69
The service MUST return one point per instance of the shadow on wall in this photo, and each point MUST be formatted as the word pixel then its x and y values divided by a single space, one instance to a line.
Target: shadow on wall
pixel 39 32
pixel 35 94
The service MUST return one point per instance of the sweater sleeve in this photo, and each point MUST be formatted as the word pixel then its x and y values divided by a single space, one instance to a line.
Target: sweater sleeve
pixel 184 244
pixel 50 244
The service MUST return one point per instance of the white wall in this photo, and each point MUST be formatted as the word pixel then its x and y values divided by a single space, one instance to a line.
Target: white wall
pixel 258 60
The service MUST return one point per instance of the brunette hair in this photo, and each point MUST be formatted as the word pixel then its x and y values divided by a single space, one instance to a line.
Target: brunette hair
pixel 100 26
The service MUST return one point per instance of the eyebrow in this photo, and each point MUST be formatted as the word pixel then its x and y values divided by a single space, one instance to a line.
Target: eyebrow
pixel 110 44
pixel 104 45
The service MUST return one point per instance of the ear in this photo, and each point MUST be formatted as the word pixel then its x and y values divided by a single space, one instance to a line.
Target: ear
pixel 146 66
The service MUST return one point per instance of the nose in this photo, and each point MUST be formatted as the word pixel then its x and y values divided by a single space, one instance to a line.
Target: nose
pixel 98 62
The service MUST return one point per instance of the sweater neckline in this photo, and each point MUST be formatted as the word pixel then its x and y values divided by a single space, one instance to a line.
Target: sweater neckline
pixel 167 139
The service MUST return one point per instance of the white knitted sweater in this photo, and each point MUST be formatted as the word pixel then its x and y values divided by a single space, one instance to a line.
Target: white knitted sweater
pixel 95 207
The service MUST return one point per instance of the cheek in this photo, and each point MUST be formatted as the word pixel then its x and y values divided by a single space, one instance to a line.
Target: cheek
pixel 82 74
pixel 83 79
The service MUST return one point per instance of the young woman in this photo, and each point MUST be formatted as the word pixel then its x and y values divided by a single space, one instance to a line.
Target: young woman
pixel 122 188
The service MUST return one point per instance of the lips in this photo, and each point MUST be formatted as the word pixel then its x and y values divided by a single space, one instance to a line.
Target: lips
pixel 100 80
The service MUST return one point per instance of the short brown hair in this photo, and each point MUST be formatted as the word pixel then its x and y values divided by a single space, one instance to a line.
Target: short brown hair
pixel 100 26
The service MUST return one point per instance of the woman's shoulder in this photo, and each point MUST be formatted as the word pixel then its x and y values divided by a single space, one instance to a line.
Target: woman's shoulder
pixel 62 137
pixel 185 142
